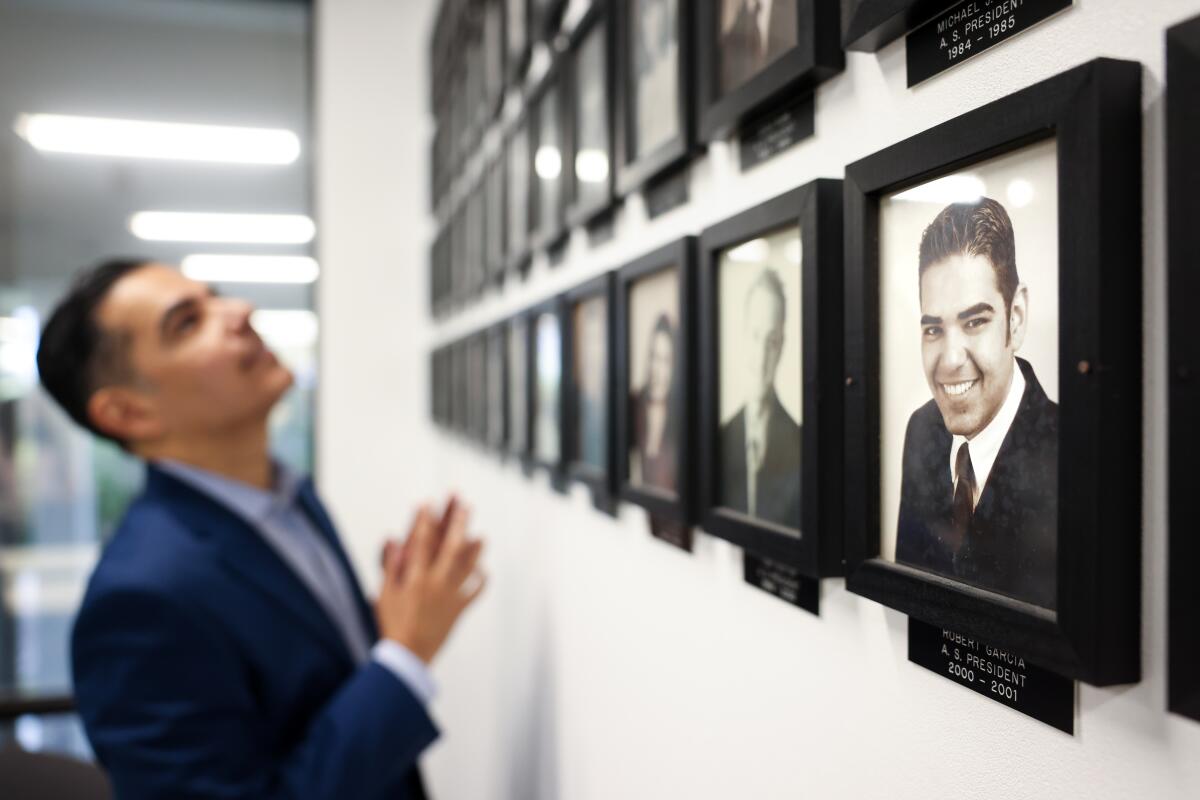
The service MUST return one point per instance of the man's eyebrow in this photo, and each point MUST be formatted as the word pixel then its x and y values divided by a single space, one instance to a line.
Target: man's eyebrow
pixel 975 310
pixel 928 320
pixel 178 308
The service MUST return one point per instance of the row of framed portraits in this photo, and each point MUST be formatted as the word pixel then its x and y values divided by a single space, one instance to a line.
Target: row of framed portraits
pixel 630 96
pixel 911 377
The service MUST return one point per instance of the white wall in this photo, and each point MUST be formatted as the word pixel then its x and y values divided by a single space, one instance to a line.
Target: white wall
pixel 603 664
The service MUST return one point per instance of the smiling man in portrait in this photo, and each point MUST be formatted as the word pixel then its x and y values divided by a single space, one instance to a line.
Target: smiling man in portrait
pixel 979 491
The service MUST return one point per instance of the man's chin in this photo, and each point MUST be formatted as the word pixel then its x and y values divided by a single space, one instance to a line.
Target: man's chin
pixel 960 423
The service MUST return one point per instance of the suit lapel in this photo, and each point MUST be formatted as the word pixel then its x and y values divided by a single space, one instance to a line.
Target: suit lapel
pixel 242 550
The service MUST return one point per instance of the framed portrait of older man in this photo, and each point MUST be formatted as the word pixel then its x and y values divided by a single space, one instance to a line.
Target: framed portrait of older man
pixel 993 451
pixel 770 292
pixel 763 52
pixel 654 366
pixel 589 386
pixel 655 131
pixel 1183 254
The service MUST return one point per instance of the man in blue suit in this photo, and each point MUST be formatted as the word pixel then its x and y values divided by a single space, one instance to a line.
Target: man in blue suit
pixel 224 647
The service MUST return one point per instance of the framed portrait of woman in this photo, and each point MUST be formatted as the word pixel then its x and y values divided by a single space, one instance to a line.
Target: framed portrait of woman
pixel 764 51
pixel 654 363
pixel 655 131
pixel 770 443
pixel 993 426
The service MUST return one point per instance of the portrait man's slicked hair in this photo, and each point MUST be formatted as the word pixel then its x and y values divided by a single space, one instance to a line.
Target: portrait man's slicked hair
pixel 982 228
pixel 768 280
pixel 76 356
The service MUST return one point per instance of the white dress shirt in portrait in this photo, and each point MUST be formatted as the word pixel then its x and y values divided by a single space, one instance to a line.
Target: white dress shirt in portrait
pixel 756 448
pixel 985 446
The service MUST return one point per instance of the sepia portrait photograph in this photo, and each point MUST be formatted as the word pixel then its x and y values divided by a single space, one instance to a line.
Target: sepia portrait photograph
pixel 547 407
pixel 518 354
pixel 760 366
pixel 591 124
pixel 654 53
pixel 753 34
pixel 589 324
pixel 654 360
pixel 969 341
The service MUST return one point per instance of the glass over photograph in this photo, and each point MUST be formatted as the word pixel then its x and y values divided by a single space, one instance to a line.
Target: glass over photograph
pixel 655 75
pixel 548 388
pixel 761 380
pixel 548 162
pixel 753 33
pixel 654 364
pixel 592 136
pixel 517 377
pixel 590 359
pixel 969 375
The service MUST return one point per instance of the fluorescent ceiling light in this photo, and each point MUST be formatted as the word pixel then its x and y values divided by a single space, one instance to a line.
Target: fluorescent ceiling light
pixel 282 328
pixel 128 138
pixel 250 269
pixel 950 189
pixel 174 226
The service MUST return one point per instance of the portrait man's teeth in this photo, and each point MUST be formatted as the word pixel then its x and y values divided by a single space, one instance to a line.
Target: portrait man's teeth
pixel 956 389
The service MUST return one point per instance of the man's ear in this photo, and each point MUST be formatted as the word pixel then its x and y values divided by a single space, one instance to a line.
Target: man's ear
pixel 125 414
pixel 1018 317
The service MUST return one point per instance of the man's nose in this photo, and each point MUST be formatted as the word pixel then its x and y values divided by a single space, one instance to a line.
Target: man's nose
pixel 954 351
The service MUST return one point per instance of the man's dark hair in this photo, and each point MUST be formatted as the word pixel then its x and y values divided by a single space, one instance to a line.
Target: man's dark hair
pixel 76 356
pixel 981 228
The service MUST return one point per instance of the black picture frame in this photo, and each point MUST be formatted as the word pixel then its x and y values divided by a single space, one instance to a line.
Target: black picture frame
pixel 518 238
pixel 1094 112
pixel 869 25
pixel 496 219
pixel 815 548
pixel 496 439
pixel 549 231
pixel 601 481
pixel 582 211
pixel 534 461
pixel 675 506
pixel 517 334
pixel 816 57
pixel 517 44
pixel 1183 253
pixel 634 168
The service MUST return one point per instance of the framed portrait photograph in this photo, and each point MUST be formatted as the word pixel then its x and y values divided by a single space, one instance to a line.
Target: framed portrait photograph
pixel 495 53
pixel 517 411
pixel 590 100
pixel 654 360
pixel 590 396
pixel 868 25
pixel 1183 254
pixel 993 453
pixel 518 176
pixel 545 387
pixel 517 39
pixel 654 89
pixel 764 51
pixel 477 386
pixel 475 246
pixel 770 322
pixel 438 263
pixel 460 388
pixel 549 142
pixel 495 256
pixel 496 391
pixel 460 279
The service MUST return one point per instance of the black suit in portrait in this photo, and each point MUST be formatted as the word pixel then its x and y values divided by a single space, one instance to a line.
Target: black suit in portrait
pixel 1011 541
pixel 743 52
pixel 777 487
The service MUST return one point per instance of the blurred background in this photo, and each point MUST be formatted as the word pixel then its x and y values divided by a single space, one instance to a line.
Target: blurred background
pixel 101 155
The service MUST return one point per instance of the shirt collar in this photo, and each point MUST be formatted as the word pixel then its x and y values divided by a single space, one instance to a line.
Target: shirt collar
pixel 986 444
pixel 249 502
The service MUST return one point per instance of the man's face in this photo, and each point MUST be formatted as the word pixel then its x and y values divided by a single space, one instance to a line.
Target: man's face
pixel 200 366
pixel 662 364
pixel 967 341
pixel 764 343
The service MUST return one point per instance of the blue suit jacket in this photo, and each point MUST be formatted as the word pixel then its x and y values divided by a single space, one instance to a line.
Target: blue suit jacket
pixel 204 668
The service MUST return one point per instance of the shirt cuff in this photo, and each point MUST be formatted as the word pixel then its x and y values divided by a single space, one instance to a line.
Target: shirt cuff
pixel 412 672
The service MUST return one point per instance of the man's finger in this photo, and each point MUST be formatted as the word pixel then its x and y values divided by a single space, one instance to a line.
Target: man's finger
pixel 420 543
pixel 454 537
pixel 464 562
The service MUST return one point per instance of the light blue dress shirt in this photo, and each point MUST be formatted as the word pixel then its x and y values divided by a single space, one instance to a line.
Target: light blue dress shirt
pixel 278 517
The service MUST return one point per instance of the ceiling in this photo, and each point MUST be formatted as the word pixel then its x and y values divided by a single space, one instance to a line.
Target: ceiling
pixel 243 62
